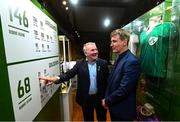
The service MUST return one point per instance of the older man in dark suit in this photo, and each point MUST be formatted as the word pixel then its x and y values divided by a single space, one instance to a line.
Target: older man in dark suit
pixel 92 75
pixel 120 95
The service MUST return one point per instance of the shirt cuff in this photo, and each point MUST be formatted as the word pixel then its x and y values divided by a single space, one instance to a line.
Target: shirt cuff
pixel 57 81
pixel 57 77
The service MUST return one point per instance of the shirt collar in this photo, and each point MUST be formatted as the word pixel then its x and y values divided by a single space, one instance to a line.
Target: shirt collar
pixel 92 61
pixel 122 54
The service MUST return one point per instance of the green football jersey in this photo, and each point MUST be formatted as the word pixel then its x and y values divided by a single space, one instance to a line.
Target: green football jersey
pixel 154 49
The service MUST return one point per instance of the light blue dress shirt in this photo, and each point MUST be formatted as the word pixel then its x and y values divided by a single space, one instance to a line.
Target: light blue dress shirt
pixel 93 75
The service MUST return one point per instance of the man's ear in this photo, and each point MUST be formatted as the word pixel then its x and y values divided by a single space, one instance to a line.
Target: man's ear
pixel 125 42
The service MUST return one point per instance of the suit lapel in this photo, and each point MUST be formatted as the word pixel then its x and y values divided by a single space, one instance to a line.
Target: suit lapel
pixel 118 64
pixel 86 70
pixel 115 70
pixel 98 68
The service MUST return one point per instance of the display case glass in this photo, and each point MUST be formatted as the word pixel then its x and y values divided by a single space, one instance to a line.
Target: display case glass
pixel 154 39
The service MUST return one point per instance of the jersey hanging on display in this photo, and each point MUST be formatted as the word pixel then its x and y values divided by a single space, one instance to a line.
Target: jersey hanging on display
pixel 154 49
pixel 133 41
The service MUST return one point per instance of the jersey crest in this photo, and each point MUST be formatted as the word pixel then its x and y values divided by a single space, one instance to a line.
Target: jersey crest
pixel 152 40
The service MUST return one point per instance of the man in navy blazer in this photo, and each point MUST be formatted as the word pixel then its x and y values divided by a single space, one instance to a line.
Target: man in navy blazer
pixel 120 95
pixel 92 73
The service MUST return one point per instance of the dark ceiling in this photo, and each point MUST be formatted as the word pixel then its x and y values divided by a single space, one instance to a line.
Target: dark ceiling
pixel 86 18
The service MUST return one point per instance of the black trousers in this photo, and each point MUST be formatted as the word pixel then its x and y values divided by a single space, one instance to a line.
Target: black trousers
pixel 88 109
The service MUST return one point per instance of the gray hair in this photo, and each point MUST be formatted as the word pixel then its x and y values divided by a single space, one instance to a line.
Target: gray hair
pixel 86 44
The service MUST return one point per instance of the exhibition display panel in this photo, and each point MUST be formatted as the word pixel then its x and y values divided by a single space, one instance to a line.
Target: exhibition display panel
pixel 29 47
